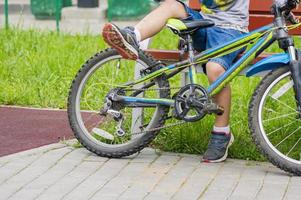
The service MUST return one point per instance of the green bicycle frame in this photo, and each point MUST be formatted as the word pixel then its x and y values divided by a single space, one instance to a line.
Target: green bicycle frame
pixel 256 42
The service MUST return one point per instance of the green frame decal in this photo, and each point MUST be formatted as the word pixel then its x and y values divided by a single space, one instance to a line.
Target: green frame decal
pixel 253 42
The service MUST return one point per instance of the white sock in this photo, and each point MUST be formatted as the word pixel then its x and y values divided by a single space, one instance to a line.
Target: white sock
pixel 144 44
pixel 138 35
pixel 225 129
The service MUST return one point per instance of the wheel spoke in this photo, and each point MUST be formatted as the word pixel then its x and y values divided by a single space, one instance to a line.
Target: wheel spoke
pixel 293 146
pixel 295 131
pixel 271 110
pixel 94 125
pixel 91 117
pixel 285 105
pixel 282 116
pixel 281 128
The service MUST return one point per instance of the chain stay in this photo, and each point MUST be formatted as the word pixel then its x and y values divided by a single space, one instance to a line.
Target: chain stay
pixel 162 127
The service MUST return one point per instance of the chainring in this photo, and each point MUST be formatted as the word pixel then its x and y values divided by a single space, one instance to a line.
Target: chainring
pixel 190 102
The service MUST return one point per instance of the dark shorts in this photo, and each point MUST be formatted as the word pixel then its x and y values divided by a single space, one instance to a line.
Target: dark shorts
pixel 211 37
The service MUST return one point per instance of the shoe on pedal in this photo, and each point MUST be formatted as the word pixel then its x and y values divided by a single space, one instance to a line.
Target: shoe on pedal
pixel 218 147
pixel 123 40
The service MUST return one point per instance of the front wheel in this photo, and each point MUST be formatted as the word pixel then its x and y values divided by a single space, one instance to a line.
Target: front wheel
pixel 275 122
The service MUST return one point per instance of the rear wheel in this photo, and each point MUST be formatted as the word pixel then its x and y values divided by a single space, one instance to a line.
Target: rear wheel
pixel 275 122
pixel 111 135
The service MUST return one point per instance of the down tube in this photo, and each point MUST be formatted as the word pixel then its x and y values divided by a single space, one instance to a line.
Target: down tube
pixel 242 63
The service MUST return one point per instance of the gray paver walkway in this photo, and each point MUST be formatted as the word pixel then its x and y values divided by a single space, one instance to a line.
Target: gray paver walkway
pixel 61 172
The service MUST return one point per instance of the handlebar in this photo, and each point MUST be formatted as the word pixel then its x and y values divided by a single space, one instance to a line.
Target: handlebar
pixel 292 18
pixel 286 11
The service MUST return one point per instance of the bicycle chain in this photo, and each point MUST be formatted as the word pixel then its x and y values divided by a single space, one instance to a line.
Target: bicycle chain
pixel 162 127
pixel 159 128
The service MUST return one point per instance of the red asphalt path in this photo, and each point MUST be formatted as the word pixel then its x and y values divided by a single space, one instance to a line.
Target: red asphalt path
pixel 23 129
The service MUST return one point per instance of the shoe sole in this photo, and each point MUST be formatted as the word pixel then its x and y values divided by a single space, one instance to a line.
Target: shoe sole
pixel 114 38
pixel 225 156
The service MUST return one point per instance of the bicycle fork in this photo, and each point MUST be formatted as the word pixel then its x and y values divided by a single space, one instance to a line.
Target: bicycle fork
pixel 286 43
pixel 295 68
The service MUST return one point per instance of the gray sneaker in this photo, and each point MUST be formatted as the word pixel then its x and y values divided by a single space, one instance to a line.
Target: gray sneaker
pixel 218 147
pixel 123 40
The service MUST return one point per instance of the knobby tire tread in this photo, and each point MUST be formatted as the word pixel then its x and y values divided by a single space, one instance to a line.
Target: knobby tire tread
pixel 257 136
pixel 146 138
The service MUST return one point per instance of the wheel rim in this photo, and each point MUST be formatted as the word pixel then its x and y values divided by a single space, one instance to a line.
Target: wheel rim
pixel 276 117
pixel 80 113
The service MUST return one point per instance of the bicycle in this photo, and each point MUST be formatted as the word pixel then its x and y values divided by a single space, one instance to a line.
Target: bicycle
pixel 103 96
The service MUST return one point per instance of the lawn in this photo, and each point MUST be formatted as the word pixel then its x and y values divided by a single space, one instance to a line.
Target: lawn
pixel 36 69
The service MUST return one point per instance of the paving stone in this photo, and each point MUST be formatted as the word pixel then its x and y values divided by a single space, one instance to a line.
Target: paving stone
pixel 69 173
pixel 37 168
pixel 250 183
pixel 293 191
pixel 225 181
pixel 295 181
pixel 172 181
pixel 197 182
pixel 31 152
pixel 147 155
pixel 274 186
pixel 71 180
pixel 2 164
pixel 117 185
pixel 58 171
pixel 91 185
pixel 14 167
pixel 150 177
pixel 95 158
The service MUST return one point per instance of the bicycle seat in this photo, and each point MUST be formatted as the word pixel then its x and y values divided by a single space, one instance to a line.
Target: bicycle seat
pixel 186 26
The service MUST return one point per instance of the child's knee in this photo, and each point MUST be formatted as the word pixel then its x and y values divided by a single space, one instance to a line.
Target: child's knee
pixel 175 8
pixel 214 70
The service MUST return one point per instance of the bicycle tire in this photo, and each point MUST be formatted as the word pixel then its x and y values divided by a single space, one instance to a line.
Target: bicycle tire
pixel 135 145
pixel 259 136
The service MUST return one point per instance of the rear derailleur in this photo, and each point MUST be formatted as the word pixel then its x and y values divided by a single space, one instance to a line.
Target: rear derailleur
pixel 113 108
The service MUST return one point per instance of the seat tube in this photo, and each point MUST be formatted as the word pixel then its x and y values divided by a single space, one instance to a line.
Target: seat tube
pixel 192 68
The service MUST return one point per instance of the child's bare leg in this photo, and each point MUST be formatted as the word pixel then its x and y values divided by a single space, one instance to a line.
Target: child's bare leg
pixel 223 98
pixel 157 19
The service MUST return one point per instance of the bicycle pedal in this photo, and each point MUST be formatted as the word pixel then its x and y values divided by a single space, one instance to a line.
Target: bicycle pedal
pixel 220 111
pixel 213 108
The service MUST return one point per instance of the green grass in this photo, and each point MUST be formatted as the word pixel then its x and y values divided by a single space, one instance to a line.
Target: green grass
pixel 36 69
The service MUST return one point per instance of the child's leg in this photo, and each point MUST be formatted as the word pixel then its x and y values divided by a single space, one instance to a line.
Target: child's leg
pixel 157 19
pixel 126 40
pixel 221 137
pixel 223 99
